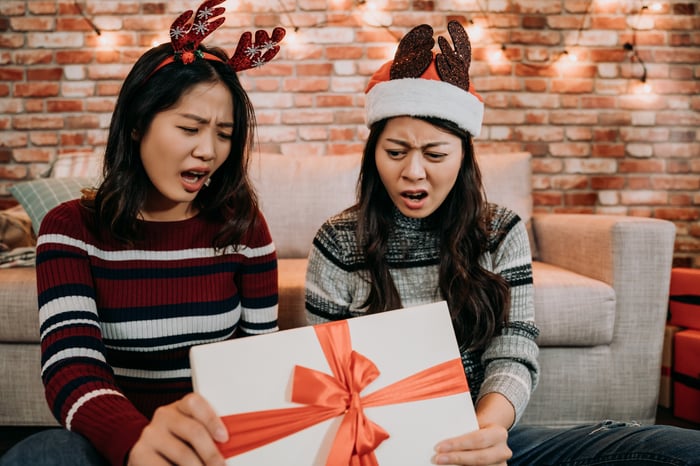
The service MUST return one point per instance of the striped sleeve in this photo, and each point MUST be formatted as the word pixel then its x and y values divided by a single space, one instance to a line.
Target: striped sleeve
pixel 331 276
pixel 259 283
pixel 510 360
pixel 80 386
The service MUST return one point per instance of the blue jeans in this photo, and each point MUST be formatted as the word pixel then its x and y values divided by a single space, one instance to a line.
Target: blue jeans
pixel 606 444
pixel 609 443
pixel 53 447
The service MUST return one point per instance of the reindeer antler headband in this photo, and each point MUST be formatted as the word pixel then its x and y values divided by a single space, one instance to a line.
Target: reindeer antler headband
pixel 186 37
pixel 420 83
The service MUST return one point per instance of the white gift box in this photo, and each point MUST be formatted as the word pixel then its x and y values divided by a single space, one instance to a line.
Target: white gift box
pixel 256 373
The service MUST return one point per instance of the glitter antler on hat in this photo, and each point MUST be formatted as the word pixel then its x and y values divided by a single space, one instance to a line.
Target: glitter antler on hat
pixel 420 83
pixel 186 39
pixel 453 65
pixel 415 54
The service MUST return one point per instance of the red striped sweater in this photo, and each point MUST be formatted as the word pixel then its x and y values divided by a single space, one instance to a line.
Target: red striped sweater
pixel 117 324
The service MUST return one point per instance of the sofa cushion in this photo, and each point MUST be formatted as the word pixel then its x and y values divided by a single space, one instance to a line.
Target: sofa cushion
pixel 20 317
pixel 292 273
pixel 571 309
pixel 39 196
pixel 507 180
pixel 297 194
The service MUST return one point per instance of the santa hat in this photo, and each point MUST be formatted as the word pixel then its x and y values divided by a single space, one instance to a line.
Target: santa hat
pixel 421 83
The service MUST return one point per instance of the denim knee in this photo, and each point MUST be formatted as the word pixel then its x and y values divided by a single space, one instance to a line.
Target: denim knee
pixel 53 447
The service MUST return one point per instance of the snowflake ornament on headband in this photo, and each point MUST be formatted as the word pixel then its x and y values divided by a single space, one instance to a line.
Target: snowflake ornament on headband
pixel 187 34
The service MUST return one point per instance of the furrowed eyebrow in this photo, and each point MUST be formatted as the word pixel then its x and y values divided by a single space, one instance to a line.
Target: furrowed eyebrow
pixel 426 146
pixel 201 120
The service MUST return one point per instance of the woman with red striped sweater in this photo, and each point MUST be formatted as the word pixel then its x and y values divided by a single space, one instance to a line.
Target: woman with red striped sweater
pixel 169 251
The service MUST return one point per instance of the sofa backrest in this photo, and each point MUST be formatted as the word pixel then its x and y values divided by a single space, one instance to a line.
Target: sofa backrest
pixel 298 193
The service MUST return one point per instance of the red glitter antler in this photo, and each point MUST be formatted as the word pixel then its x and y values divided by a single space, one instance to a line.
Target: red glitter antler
pixel 186 37
pixel 249 55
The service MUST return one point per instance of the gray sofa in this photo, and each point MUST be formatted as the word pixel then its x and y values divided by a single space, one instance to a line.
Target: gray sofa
pixel 601 291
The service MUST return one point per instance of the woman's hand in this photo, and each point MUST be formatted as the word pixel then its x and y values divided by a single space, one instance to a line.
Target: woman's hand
pixel 182 433
pixel 486 446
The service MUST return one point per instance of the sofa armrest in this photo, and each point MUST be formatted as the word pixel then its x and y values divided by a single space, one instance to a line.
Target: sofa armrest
pixel 633 255
pixel 609 248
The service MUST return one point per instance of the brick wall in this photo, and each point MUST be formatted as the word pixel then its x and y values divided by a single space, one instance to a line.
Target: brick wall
pixel 602 141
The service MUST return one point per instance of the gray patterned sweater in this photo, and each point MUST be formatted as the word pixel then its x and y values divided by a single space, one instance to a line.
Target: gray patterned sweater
pixel 336 288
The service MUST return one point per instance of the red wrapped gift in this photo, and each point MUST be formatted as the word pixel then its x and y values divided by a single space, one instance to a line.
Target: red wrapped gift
pixel 686 375
pixel 684 298
pixel 666 383
pixel 379 389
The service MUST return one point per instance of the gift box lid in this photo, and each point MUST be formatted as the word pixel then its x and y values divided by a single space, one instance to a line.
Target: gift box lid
pixel 258 377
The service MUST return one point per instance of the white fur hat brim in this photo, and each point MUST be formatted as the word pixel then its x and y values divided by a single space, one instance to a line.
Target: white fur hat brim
pixel 420 97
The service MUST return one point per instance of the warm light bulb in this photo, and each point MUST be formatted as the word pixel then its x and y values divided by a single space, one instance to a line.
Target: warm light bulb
pixel 292 39
pixel 476 32
pixel 496 55
pixel 105 41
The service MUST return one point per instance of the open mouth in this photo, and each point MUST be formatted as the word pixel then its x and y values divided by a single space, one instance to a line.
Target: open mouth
pixel 414 195
pixel 193 176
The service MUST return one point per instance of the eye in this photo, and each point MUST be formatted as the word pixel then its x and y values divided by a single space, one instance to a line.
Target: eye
pixel 394 153
pixel 225 136
pixel 188 129
pixel 435 156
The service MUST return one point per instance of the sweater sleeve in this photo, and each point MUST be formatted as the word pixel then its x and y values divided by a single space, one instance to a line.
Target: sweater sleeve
pixel 258 282
pixel 510 360
pixel 329 278
pixel 79 384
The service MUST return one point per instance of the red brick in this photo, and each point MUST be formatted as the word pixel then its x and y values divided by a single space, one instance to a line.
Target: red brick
pixel 607 182
pixel 608 150
pixel 11 74
pixel 74 56
pixel 534 22
pixel 55 106
pixel 44 138
pixel 640 166
pixel 317 69
pixel 679 199
pixel 578 86
pixel 566 182
pixel 677 213
pixel 546 199
pixel 72 139
pixel 580 199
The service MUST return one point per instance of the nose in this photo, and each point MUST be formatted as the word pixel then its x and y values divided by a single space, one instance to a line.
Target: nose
pixel 414 168
pixel 204 149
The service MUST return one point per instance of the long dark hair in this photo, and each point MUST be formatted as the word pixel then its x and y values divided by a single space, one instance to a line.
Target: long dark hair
pixel 120 196
pixel 478 298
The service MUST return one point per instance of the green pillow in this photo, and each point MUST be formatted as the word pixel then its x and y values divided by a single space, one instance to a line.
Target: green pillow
pixel 39 196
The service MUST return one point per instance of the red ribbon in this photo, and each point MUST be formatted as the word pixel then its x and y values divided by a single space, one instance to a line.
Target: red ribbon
pixel 328 396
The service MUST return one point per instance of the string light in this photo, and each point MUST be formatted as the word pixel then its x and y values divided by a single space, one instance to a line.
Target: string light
pixel 373 13
pixel 630 46
pixel 87 20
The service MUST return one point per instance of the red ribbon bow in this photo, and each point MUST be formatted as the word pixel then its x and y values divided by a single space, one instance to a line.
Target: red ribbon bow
pixel 328 396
